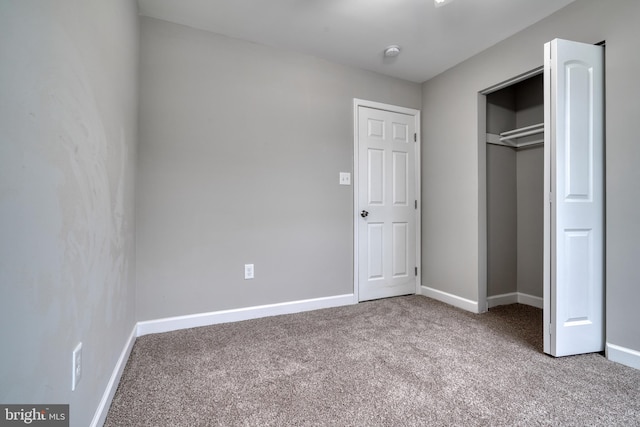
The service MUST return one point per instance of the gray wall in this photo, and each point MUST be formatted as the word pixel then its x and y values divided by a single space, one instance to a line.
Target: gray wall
pixel 502 214
pixel 501 110
pixel 68 114
pixel 514 220
pixel 240 150
pixel 530 182
pixel 502 224
pixel 451 257
pixel 530 203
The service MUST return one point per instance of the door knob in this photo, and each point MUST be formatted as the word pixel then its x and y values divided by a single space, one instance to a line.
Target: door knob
pixel 364 214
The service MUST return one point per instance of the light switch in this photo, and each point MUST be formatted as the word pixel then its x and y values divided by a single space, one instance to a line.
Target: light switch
pixel 248 271
pixel 345 178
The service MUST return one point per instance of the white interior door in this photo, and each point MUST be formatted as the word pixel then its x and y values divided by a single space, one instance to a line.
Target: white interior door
pixel 386 204
pixel 574 211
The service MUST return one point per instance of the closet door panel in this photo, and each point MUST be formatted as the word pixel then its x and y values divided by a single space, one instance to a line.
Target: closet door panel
pixel 574 201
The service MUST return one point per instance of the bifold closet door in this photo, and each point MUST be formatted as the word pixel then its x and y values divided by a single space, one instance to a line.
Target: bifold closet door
pixel 574 199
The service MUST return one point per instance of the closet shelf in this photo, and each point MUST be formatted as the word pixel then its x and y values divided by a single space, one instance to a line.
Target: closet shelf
pixel 513 137
pixel 519 133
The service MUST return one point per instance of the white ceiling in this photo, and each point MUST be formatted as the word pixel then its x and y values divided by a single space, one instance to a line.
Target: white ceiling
pixel 355 32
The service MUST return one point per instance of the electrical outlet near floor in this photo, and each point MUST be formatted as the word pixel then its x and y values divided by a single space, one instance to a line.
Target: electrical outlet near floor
pixel 248 271
pixel 76 368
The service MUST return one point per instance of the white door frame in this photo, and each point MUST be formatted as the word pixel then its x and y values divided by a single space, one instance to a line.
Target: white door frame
pixel 356 187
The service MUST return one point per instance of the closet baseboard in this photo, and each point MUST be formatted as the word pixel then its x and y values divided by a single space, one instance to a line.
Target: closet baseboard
pixel 623 355
pixel 515 298
pixel 450 299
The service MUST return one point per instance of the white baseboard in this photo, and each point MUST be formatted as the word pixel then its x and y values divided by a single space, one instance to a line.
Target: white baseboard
pixel 205 319
pixel 622 355
pixel 513 298
pixel 103 407
pixel 533 301
pixel 450 299
pixel 502 299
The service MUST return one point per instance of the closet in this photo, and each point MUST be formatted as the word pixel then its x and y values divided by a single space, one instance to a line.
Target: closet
pixel 542 194
pixel 515 182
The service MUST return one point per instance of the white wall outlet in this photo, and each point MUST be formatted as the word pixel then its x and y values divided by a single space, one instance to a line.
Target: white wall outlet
pixel 345 178
pixel 76 366
pixel 248 271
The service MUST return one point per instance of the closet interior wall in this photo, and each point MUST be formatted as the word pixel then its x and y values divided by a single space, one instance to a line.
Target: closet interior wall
pixel 515 193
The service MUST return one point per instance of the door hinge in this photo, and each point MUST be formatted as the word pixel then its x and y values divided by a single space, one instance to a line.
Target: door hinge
pixel 415 137
pixel 416 271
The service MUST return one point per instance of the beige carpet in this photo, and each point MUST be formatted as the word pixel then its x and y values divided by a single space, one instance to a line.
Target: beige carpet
pixel 408 361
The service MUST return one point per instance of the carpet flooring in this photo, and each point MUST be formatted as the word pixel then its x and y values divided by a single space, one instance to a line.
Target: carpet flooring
pixel 407 361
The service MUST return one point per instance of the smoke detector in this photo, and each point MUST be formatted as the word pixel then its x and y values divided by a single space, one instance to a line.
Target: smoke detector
pixel 391 51
pixel 439 3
